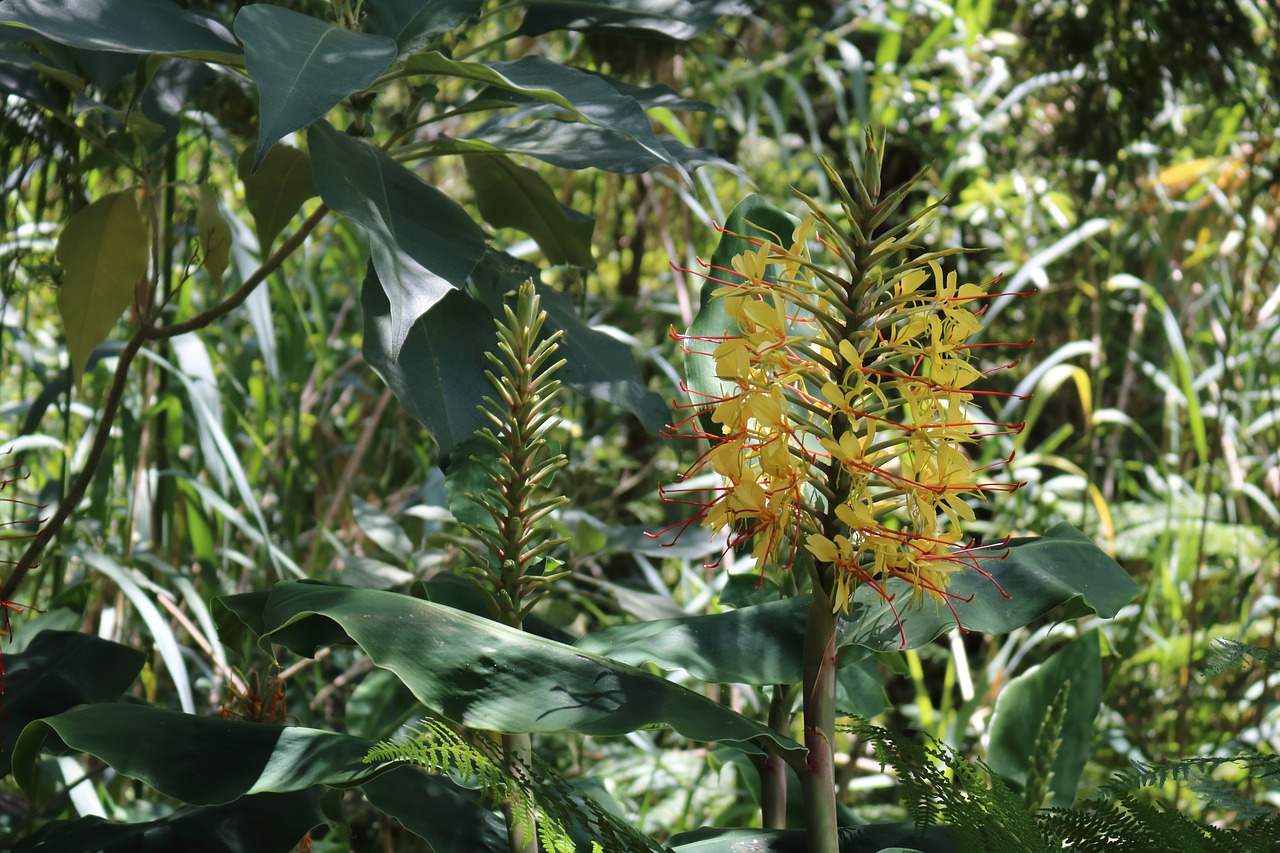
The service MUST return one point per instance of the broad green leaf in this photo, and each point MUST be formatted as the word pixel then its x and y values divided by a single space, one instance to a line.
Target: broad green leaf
pixel 103 250
pixel 751 217
pixel 577 145
pixel 276 191
pixel 597 364
pixel 679 20
pixel 486 676
pixel 423 244
pixel 540 79
pixel 414 23
pixel 265 823
pixel 419 801
pixel 437 369
pixel 304 67
pixel 1023 704
pixel 214 232
pixel 125 26
pixel 179 758
pixel 512 196
pixel 761 644
pixel 57 671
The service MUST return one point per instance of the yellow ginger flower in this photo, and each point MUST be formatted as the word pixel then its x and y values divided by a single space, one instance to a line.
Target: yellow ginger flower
pixel 845 414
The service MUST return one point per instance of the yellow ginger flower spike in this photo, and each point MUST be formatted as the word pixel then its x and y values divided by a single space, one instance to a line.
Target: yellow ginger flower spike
pixel 844 416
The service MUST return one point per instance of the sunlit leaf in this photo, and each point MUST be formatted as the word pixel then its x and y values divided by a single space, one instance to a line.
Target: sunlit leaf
pixel 214 233
pixel 276 191
pixel 104 251
pixel 304 67
pixel 484 675
pixel 512 196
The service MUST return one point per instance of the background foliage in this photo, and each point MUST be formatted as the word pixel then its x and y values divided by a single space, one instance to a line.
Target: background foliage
pixel 1120 159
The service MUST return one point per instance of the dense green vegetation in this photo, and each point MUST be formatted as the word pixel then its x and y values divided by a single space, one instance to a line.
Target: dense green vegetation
pixel 284 569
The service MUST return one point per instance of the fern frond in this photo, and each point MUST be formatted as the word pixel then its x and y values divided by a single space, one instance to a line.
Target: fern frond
pixel 1231 655
pixel 538 797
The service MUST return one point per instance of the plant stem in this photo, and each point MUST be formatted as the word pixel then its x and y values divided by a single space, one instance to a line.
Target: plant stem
pixel 818 779
pixel 522 835
pixel 772 768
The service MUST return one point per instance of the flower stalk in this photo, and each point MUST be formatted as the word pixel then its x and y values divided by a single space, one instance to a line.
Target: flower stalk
pixel 840 423
pixel 512 573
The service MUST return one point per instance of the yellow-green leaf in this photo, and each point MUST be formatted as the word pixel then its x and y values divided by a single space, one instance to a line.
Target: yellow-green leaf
pixel 103 251
pixel 215 234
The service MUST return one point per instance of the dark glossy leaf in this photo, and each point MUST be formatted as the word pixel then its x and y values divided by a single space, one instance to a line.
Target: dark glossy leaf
pixel 578 145
pixel 1023 704
pixel 266 823
pixel 125 26
pixel 678 20
pixel 437 372
pixel 537 78
pixel 597 364
pixel 414 23
pixel 487 676
pixel 304 67
pixel 761 644
pixel 423 244
pixel 511 196
pixel 181 758
pixel 448 817
pixel 275 192
pixel 171 86
pixel 57 671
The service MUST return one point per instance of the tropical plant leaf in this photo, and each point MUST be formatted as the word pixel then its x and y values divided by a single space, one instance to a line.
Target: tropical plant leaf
pixel 265 823
pixel 276 191
pixel 437 371
pixel 418 800
pixel 578 145
pixel 414 23
pixel 487 676
pixel 104 252
pixel 512 196
pixel 423 244
pixel 304 67
pixel 126 26
pixel 181 758
pixel 678 20
pixel 59 670
pixel 761 644
pixel 1023 704
pixel 214 233
pixel 537 78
